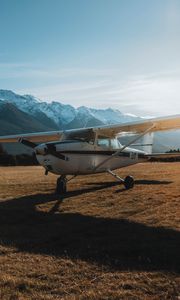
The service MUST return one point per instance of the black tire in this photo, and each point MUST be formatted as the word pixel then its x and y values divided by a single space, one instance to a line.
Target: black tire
pixel 129 182
pixel 61 186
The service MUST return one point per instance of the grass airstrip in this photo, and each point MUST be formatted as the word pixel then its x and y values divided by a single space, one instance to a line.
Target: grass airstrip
pixel 99 241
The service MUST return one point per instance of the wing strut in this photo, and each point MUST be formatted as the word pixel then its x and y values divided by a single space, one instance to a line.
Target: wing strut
pixel 124 147
pixel 115 176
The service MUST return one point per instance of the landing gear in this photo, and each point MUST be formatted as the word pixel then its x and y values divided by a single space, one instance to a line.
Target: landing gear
pixel 61 185
pixel 129 182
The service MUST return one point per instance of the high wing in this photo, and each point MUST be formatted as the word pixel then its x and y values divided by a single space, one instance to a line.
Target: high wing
pixel 139 127
pixel 33 137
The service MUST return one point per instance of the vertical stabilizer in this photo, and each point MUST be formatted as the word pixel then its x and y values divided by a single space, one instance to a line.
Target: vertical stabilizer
pixel 148 142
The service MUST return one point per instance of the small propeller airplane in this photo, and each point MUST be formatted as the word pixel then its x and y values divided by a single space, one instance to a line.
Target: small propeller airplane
pixel 94 150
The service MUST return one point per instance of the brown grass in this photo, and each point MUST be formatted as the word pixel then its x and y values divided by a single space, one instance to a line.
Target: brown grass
pixel 98 242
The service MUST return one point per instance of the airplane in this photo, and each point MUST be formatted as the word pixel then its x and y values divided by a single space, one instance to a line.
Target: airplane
pixel 95 149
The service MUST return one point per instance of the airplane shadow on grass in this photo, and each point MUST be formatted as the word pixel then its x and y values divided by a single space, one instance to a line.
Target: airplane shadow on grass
pixel 141 181
pixel 115 243
pixel 137 182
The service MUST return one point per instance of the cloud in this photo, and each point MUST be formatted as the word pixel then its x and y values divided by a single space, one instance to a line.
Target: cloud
pixel 159 94
pixel 154 93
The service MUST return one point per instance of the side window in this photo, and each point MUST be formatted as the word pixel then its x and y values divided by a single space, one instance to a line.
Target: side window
pixel 103 143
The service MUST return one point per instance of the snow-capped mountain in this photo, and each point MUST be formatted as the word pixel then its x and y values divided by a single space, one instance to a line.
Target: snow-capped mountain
pixel 24 102
pixel 65 115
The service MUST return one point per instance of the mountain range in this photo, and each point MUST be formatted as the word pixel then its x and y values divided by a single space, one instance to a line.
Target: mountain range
pixel 26 113
pixel 56 115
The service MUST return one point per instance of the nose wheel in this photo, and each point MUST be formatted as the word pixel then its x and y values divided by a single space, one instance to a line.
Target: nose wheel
pixel 61 185
pixel 129 182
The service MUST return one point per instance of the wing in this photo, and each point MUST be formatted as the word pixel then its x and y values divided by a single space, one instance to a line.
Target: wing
pixel 33 137
pixel 151 125
pixel 85 134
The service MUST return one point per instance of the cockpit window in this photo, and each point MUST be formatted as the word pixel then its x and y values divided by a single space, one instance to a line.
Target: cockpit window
pixel 88 136
pixel 108 143
pixel 103 143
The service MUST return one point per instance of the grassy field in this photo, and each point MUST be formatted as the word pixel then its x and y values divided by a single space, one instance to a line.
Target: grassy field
pixel 98 242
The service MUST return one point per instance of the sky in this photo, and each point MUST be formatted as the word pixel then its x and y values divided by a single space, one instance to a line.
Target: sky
pixel 123 54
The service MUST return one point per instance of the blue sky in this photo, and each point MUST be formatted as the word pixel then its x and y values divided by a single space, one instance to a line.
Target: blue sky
pixel 123 54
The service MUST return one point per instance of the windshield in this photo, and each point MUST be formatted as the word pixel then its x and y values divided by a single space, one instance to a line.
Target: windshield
pixel 85 135
pixel 108 143
pixel 115 144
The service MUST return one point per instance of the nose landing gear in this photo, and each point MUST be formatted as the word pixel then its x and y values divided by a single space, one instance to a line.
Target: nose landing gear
pixel 61 185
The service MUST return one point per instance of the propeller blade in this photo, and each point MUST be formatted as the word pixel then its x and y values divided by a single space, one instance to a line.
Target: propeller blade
pixel 51 149
pixel 27 143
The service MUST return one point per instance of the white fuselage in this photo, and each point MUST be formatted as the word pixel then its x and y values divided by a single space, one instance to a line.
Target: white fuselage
pixel 82 157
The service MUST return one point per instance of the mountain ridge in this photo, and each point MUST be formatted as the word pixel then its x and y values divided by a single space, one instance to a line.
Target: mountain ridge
pixel 64 114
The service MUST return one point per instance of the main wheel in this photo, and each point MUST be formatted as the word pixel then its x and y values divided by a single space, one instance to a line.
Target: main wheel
pixel 61 185
pixel 129 182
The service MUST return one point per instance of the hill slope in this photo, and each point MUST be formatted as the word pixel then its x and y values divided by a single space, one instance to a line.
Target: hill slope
pixel 13 120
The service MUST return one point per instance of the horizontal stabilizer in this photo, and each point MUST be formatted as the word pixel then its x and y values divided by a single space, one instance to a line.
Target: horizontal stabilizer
pixel 164 155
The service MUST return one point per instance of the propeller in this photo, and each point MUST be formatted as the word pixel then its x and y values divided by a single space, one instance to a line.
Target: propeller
pixel 44 150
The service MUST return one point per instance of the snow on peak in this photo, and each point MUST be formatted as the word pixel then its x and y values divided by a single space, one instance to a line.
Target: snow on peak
pixel 32 98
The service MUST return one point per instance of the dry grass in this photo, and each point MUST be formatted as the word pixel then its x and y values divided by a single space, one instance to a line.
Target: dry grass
pixel 99 242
